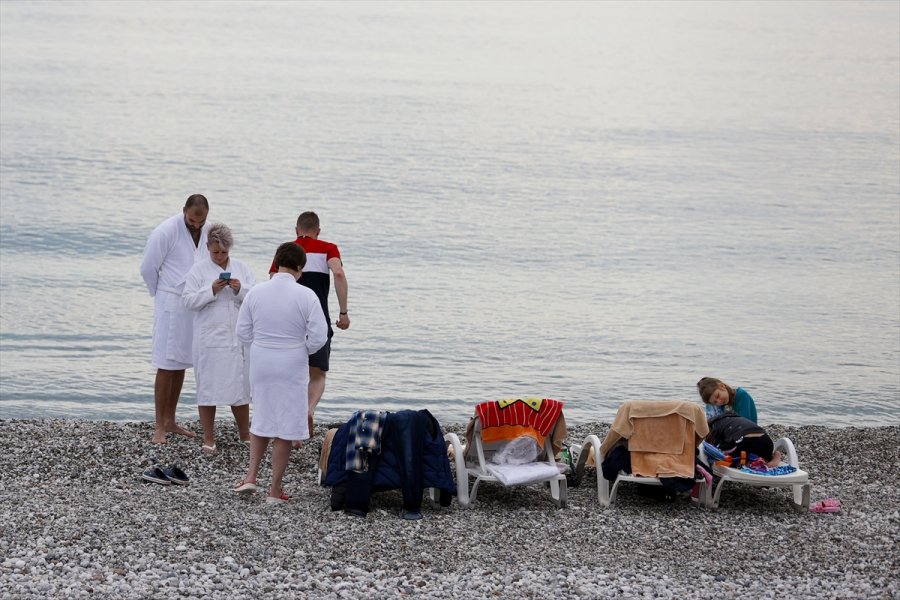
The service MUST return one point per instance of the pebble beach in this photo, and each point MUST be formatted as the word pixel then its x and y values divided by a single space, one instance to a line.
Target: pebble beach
pixel 78 522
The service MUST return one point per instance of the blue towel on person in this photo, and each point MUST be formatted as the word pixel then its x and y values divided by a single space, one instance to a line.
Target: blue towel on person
pixel 364 439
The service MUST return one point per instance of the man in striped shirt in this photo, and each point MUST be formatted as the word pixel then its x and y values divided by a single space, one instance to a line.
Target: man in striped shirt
pixel 321 257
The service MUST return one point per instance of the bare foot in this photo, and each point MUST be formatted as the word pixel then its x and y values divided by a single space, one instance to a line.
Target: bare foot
pixel 159 437
pixel 181 431
pixel 776 459
pixel 297 444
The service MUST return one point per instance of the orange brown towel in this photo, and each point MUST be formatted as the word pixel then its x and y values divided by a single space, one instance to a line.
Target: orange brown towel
pixel 661 434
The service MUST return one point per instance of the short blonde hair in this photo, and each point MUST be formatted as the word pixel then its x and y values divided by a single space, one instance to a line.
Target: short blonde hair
pixel 220 234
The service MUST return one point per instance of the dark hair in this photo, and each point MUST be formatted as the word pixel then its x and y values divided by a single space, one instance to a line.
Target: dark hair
pixel 708 385
pixel 308 221
pixel 195 200
pixel 290 255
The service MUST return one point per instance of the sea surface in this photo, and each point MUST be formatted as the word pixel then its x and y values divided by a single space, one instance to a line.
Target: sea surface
pixel 593 202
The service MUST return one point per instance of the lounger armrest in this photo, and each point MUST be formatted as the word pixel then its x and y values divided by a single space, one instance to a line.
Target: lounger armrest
pixel 462 475
pixel 452 441
pixel 591 445
pixel 787 449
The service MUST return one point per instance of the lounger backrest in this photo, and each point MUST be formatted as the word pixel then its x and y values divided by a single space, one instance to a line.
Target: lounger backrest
pixel 493 428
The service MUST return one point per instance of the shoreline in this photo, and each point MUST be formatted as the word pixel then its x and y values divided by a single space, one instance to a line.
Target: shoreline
pixel 79 522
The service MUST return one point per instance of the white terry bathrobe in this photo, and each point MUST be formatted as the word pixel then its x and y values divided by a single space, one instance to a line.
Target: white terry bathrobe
pixel 169 255
pixel 220 370
pixel 284 324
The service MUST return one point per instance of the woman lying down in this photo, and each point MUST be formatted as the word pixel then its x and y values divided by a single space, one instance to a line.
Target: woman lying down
pixel 741 441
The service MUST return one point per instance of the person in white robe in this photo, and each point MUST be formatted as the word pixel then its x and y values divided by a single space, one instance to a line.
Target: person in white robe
pixel 172 248
pixel 284 323
pixel 220 371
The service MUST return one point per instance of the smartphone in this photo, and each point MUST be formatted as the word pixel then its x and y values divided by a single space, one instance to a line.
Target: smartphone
pixel 225 276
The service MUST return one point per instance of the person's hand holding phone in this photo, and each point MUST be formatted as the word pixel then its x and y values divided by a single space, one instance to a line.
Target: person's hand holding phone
pixel 235 284
pixel 219 284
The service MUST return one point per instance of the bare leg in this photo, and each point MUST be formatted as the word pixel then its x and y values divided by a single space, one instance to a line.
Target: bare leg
pixel 242 418
pixel 208 420
pixel 776 459
pixel 166 390
pixel 316 388
pixel 176 380
pixel 281 452
pixel 160 395
pixel 258 447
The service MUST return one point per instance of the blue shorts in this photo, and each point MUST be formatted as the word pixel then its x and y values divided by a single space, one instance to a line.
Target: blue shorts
pixel 319 359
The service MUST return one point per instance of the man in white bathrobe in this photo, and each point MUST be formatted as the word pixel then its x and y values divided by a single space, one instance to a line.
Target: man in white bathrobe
pixel 171 251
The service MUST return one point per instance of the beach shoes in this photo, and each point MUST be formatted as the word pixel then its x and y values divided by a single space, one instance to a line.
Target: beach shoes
pixel 245 487
pixel 280 499
pixel 176 475
pixel 155 475
pixel 829 505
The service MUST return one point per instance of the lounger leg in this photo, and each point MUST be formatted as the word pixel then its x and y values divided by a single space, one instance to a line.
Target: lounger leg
pixel 704 496
pixel 610 493
pixel 559 491
pixel 715 500
pixel 801 495
pixel 474 491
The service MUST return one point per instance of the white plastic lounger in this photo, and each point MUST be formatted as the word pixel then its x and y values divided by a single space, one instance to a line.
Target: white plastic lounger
pixel 606 494
pixel 661 436
pixel 798 481
pixel 543 470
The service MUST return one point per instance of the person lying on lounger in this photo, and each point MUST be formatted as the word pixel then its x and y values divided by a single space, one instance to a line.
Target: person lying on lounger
pixel 740 438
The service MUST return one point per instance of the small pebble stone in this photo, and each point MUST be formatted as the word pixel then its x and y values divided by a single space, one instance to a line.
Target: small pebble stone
pixel 78 537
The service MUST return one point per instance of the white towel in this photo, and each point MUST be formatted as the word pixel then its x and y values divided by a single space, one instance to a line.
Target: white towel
pixel 521 474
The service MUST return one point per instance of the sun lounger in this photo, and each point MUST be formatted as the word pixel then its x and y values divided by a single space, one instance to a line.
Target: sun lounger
pixel 797 480
pixel 499 439
pixel 661 438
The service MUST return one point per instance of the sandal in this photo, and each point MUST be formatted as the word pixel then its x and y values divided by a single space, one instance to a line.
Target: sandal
pixel 829 505
pixel 245 487
pixel 280 499
pixel 208 449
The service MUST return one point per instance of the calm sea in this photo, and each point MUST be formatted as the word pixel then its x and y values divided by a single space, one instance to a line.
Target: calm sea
pixel 588 201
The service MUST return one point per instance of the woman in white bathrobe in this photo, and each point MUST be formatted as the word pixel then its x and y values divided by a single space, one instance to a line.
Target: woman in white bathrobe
pixel 284 323
pixel 220 370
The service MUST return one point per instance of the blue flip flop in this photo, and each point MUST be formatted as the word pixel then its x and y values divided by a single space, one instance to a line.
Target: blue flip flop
pixel 156 475
pixel 177 476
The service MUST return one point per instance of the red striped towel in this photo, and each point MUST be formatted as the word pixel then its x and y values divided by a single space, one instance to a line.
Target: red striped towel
pixel 518 412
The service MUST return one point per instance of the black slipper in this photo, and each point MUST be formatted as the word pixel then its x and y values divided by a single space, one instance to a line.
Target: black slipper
pixel 177 476
pixel 155 475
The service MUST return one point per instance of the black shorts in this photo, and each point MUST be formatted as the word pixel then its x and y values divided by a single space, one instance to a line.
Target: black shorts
pixel 320 358
pixel 761 446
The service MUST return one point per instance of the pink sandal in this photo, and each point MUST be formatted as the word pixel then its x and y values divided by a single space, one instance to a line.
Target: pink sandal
pixel 279 499
pixel 829 505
